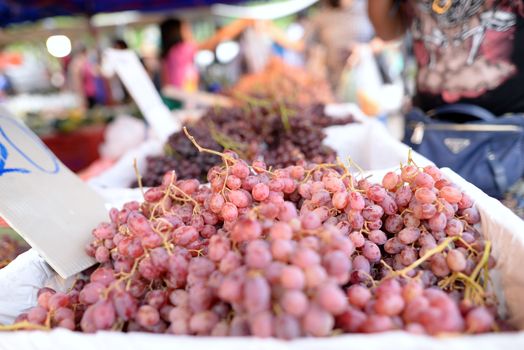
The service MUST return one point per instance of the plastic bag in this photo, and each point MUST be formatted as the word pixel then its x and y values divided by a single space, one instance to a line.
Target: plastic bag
pixel 361 74
pixel 123 134
pixel 20 282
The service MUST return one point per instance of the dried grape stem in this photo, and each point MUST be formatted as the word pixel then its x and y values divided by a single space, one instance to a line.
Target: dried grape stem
pixel 471 282
pixel 224 156
pixel 346 173
pixel 166 194
pixel 165 241
pixel 131 273
pixel 359 168
pixel 371 279
pixel 318 167
pixel 284 116
pixel 425 257
pixel 410 158
pixel 196 208
pixel 24 325
pixel 223 190
pixel 138 177
pixel 207 150
pixel 386 265
pixel 225 141
pixel 470 248
pixel 483 261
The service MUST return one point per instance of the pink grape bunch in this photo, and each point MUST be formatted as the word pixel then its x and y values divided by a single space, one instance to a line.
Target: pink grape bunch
pixel 306 250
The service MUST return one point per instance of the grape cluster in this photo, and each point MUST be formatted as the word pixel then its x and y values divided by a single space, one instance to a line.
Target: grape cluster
pixel 281 134
pixel 305 250
pixel 9 249
pixel 180 154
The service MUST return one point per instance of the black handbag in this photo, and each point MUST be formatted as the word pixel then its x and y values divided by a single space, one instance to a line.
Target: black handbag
pixel 485 150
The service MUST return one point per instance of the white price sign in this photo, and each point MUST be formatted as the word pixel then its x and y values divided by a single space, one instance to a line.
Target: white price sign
pixel 133 75
pixel 48 205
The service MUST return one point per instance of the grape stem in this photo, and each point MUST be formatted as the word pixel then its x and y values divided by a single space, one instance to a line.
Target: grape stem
pixel 207 150
pixel 318 167
pixel 249 100
pixel 333 211
pixel 73 285
pixel 386 265
pixel 373 282
pixel 196 208
pixel 131 273
pixel 346 173
pixel 407 210
pixel 165 242
pixel 483 261
pixel 425 257
pixel 197 251
pixel 410 158
pixel 118 326
pixel 166 194
pixel 223 191
pixel 468 246
pixel 471 282
pixel 474 291
pixel 439 205
pixel 224 156
pixel 359 168
pixel 48 319
pixel 24 325
pixel 277 309
pixel 217 109
pixel 336 332
pixel 138 177
pixel 468 283
pixel 225 141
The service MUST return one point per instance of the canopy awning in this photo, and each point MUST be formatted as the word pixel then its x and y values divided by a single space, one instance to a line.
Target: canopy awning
pixel 12 11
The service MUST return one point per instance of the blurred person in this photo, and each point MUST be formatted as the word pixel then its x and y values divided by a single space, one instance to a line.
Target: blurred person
pixel 119 44
pixel 149 58
pixel 82 76
pixel 178 50
pixel 333 32
pixel 255 47
pixel 119 93
pixel 264 40
pixel 466 51
pixel 296 32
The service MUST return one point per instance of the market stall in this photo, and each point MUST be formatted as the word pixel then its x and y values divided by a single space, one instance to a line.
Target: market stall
pixel 269 216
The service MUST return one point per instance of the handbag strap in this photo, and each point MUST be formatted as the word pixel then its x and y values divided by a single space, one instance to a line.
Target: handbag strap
pixel 464 109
